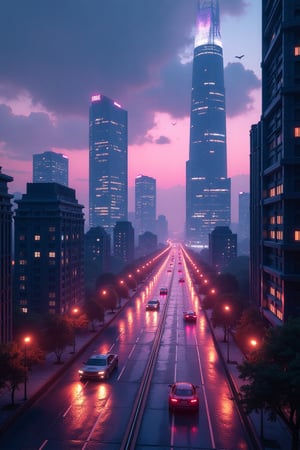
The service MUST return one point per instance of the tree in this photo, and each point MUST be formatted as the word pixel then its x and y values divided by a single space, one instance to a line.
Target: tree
pixel 58 334
pixel 250 326
pixel 273 376
pixel 226 312
pixel 94 311
pixel 13 371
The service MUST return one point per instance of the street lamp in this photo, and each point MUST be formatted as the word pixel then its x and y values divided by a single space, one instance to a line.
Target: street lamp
pixel 75 312
pixel 26 342
pixel 227 310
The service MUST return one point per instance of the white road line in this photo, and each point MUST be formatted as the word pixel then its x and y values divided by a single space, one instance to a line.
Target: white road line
pixel 211 433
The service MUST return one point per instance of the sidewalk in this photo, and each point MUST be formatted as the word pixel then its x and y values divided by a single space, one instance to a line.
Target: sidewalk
pixel 276 435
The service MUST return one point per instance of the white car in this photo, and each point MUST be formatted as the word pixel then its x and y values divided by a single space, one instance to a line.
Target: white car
pixel 99 367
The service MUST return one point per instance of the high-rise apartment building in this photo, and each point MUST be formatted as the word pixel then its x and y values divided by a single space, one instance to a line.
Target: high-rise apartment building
pixel 280 161
pixel 222 247
pixel 50 167
pixel 207 185
pixel 145 204
pixel 6 309
pixel 108 163
pixel 49 250
pixel 124 242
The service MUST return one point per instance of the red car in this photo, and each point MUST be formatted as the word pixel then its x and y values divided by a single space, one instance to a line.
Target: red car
pixel 163 291
pixel 189 316
pixel 183 396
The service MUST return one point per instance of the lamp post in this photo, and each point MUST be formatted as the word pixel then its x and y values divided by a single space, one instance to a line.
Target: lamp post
pixel 227 310
pixel 75 312
pixel 26 342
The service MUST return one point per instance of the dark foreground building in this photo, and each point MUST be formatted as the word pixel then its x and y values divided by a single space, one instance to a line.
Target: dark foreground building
pixel 49 250
pixel 280 160
pixel 5 260
pixel 207 185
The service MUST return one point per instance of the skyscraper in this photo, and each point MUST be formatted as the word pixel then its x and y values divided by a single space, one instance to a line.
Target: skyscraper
pixel 50 167
pixel 275 154
pixel 145 204
pixel 207 185
pixel 108 172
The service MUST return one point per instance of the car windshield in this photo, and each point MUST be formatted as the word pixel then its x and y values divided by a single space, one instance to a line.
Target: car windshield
pixel 184 392
pixel 96 362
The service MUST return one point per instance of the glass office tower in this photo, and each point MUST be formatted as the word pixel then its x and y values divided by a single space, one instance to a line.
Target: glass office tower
pixel 108 165
pixel 145 204
pixel 207 185
pixel 50 167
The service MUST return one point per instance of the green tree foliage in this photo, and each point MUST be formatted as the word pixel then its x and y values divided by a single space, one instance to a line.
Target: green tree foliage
pixel 57 335
pixel 273 376
pixel 13 370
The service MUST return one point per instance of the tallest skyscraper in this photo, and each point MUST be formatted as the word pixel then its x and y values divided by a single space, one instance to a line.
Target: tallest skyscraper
pixel 207 185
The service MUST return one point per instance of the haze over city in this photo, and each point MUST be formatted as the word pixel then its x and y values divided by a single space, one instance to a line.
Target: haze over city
pixel 54 57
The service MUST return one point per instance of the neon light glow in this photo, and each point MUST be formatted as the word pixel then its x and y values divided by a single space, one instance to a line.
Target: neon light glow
pixel 117 104
pixel 96 98
pixel 208 28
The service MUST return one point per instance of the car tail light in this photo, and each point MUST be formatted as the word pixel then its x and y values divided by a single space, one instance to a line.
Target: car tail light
pixel 194 400
pixel 174 400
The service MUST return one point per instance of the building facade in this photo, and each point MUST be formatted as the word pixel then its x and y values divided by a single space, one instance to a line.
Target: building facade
pixel 124 242
pixel 49 250
pixel 280 160
pixel 50 167
pixel 108 165
pixel 97 254
pixel 207 185
pixel 222 247
pixel 145 204
pixel 6 309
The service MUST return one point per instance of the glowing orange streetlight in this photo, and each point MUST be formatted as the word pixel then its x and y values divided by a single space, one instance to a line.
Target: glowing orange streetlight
pixel 75 312
pixel 227 310
pixel 26 340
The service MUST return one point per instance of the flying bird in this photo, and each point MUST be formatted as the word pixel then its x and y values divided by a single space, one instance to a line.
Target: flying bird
pixel 239 57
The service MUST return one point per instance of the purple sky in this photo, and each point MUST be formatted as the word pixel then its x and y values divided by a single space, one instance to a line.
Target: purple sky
pixel 56 54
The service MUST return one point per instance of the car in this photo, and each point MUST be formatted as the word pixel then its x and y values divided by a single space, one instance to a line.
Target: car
pixel 189 316
pixel 153 305
pixel 181 280
pixel 99 367
pixel 163 291
pixel 183 396
pixel 169 270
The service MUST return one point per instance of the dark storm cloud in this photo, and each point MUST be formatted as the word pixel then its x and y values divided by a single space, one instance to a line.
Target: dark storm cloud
pixel 21 135
pixel 239 84
pixel 60 52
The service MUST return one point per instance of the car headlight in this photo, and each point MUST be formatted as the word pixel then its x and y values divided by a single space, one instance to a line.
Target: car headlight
pixel 80 371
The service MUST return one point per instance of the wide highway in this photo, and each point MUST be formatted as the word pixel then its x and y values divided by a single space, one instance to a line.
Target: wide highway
pixel 130 409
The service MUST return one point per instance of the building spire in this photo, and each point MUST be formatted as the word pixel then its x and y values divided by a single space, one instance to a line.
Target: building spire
pixel 208 23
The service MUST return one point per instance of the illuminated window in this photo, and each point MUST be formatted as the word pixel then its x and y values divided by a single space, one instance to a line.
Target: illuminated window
pixel 279 235
pixel 51 254
pixel 23 262
pixel 297 50
pixel 37 254
pixel 37 237
pixel 297 131
pixel 297 235
pixel 52 303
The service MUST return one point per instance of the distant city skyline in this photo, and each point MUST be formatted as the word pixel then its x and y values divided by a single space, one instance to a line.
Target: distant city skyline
pixel 145 68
